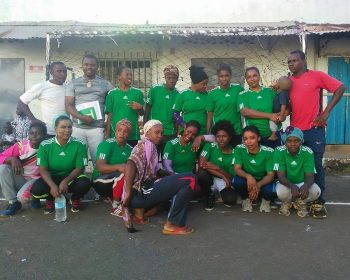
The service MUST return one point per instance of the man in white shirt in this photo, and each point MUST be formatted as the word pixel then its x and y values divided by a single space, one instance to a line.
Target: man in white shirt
pixel 51 95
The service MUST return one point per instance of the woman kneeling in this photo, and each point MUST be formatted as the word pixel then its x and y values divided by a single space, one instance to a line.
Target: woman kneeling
pixel 144 189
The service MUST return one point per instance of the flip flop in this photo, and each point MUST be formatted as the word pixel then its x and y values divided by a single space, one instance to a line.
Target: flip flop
pixel 178 230
pixel 139 221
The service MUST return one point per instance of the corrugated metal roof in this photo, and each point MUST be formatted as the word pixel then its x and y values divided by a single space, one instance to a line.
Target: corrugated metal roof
pixel 326 28
pixel 28 30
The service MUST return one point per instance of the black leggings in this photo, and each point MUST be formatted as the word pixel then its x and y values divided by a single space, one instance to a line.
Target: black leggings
pixel 180 188
pixel 205 180
pixel 78 187
pixel 103 184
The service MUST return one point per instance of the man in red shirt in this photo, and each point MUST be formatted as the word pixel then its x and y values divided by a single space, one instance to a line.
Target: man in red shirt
pixel 308 115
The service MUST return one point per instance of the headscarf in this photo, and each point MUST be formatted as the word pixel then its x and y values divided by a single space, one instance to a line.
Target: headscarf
pixel 151 123
pixel 124 122
pixel 197 74
pixel 292 131
pixel 171 70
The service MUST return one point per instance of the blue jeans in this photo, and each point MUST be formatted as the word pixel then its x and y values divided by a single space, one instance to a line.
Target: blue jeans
pixel 268 192
pixel 315 139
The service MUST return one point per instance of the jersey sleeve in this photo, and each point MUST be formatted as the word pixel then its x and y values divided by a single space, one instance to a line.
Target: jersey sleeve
pixel 206 151
pixel 141 98
pixel 12 151
pixel 81 159
pixel 242 101
pixel 103 151
pixel 150 96
pixel 309 165
pixel 178 103
pixel 237 157
pixel 169 151
pixel 42 156
pixel 109 103
pixel 278 162
pixel 210 103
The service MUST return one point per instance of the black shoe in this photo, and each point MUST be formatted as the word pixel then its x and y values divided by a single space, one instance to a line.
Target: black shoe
pixel 209 202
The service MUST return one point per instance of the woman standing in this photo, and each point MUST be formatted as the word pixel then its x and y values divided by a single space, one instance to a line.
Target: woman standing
pixel 178 154
pixel 223 103
pixel 124 102
pixel 144 186
pixel 256 106
pixel 192 102
pixel 254 171
pixel 62 160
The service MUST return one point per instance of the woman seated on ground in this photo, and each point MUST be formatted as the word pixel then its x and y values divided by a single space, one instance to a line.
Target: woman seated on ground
pixel 111 157
pixel 144 187
pixel 256 106
pixel 254 171
pixel 62 160
pixel 178 154
pixel 215 166
pixel 295 168
pixel 18 170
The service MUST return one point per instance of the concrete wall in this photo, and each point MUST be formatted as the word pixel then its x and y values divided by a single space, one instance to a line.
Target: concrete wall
pixel 268 54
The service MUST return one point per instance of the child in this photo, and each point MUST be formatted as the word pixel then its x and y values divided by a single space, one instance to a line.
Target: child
pixel 21 125
pixel 7 138
pixel 280 103
pixel 18 170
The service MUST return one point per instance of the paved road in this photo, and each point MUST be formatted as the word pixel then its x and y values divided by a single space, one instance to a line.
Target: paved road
pixel 227 244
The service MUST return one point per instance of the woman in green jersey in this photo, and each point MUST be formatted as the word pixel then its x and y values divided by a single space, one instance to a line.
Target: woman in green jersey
pixel 256 106
pixel 254 171
pixel 191 103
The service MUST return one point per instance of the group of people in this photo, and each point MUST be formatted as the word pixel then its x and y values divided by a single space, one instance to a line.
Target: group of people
pixel 225 144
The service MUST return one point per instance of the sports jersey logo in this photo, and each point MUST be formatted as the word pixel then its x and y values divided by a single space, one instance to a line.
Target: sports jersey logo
pixel 220 159
pixel 253 161
pixel 276 166
pixel 167 97
pixel 102 156
pixel 259 97
pixel 227 95
pixel 183 151
pixel 62 154
pixel 293 163
pixel 125 97
pixel 198 98
pixel 123 153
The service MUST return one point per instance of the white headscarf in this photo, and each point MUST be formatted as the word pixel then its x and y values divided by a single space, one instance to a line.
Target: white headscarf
pixel 151 123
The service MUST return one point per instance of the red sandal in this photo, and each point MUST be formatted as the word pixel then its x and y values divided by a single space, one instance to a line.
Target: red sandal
pixel 178 230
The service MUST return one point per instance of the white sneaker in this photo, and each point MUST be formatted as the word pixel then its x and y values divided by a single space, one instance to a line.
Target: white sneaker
pixel 265 206
pixel 247 205
pixel 285 206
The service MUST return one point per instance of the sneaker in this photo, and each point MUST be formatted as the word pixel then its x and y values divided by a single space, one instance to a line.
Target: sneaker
pixel 35 204
pixel 265 206
pixel 247 205
pixel 11 209
pixel 318 211
pixel 300 206
pixel 49 207
pixel 117 211
pixel 284 209
pixel 75 205
pixel 209 202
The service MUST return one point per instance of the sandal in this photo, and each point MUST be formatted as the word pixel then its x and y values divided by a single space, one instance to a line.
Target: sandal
pixel 139 221
pixel 178 230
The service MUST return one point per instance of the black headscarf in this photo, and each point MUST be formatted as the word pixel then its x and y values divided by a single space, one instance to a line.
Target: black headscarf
pixel 197 74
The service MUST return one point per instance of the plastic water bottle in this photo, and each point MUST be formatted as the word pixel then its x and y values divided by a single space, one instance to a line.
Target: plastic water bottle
pixel 60 209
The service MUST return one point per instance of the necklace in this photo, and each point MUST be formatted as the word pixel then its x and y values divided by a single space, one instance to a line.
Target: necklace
pixel 88 83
